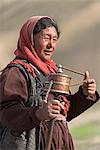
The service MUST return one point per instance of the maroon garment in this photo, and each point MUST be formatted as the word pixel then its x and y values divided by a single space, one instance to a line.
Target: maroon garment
pixel 14 114
pixel 13 96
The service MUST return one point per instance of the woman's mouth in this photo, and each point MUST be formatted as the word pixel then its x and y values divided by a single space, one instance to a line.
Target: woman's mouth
pixel 48 51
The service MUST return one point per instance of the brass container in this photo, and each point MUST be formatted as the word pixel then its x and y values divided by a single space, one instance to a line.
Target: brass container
pixel 61 83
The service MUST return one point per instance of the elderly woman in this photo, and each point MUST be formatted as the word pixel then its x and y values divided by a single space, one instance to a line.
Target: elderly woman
pixel 24 115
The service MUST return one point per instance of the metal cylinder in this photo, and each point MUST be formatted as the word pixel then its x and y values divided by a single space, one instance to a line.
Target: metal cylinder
pixel 61 83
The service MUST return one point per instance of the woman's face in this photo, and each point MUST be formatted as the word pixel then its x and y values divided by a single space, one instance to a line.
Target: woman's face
pixel 45 43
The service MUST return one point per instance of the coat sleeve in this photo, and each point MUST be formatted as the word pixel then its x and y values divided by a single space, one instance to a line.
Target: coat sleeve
pixel 79 103
pixel 13 96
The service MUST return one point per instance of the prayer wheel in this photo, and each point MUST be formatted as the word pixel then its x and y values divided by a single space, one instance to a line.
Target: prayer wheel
pixel 60 83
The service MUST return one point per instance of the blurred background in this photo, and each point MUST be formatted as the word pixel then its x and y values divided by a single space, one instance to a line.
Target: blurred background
pixel 78 48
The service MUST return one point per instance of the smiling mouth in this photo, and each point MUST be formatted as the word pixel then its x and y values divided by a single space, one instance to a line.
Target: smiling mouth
pixel 48 50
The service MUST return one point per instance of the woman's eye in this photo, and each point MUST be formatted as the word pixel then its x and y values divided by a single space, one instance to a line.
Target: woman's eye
pixel 55 39
pixel 46 38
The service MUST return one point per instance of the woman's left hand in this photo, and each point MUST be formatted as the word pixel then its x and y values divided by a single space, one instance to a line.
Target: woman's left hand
pixel 89 85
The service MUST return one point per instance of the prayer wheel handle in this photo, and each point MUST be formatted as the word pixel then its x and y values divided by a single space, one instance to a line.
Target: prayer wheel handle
pixel 61 68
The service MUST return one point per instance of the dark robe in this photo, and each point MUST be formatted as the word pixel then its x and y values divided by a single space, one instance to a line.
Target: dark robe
pixel 14 114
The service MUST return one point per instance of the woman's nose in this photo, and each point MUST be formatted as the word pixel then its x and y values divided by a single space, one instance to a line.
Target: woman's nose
pixel 50 44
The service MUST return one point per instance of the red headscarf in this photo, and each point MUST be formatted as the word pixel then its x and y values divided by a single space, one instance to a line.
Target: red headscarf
pixel 25 48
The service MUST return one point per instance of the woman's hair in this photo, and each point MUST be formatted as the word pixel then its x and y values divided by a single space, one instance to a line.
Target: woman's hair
pixel 44 23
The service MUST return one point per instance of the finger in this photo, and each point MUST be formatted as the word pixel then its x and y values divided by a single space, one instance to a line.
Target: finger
pixel 58 103
pixel 54 111
pixel 91 92
pixel 55 102
pixel 63 103
pixel 91 87
pixel 56 107
pixel 61 106
pixel 86 75
pixel 91 81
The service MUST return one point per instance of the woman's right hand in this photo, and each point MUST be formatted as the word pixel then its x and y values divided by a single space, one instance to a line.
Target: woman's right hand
pixel 49 110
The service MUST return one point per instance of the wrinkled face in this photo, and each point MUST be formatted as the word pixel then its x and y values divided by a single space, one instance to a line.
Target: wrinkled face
pixel 45 43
